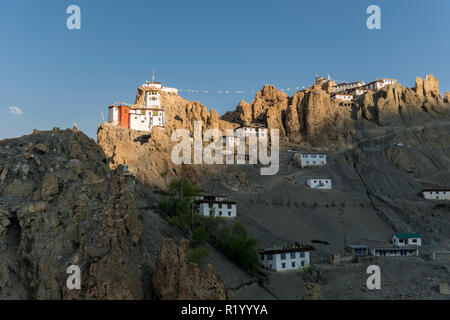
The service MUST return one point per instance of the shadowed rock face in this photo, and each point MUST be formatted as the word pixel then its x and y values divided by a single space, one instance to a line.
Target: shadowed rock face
pixel 177 279
pixel 61 206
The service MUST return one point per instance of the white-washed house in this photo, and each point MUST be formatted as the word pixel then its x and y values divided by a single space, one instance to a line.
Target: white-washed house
pixel 217 206
pixel 436 194
pixel 310 159
pixel 406 239
pixel 317 183
pixel 285 259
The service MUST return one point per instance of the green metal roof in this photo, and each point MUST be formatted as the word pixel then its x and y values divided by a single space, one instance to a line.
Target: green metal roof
pixel 407 235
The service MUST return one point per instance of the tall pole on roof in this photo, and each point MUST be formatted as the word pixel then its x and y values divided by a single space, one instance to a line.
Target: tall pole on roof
pixel 153 76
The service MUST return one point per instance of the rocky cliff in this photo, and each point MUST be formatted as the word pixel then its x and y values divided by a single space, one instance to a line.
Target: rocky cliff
pixel 148 155
pixel 61 205
pixel 177 279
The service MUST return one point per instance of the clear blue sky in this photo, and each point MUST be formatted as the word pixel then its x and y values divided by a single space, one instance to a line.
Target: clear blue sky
pixel 57 76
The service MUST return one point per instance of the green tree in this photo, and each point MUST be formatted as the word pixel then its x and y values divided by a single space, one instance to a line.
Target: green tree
pixel 197 255
pixel 200 235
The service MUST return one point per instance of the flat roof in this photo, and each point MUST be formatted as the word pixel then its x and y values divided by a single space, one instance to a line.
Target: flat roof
pixel 406 235
pixel 210 196
pixel 218 201
pixel 357 246
pixel 287 250
pixel 396 248
pixel 348 83
pixel 435 190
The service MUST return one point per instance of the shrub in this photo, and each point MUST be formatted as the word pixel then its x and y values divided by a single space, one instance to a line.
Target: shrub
pixel 200 235
pixel 239 247
pixel 198 254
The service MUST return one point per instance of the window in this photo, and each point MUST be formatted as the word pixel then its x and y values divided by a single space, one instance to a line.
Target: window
pixel 302 254
pixel 270 257
pixel 283 265
pixel 293 264
pixel 262 256
pixel 283 256
pixel 292 255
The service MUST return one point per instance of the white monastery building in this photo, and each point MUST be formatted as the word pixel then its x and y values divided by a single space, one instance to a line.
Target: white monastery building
pixel 406 239
pixel 347 86
pixel 285 259
pixel 436 194
pixel 319 183
pixel 216 206
pixel 345 92
pixel 309 160
pixel 342 96
pixel 378 84
pixel 141 117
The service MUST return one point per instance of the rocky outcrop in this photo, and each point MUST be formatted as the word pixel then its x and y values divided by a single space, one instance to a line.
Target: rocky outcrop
pixel 312 116
pixel 312 291
pixel 267 108
pixel 181 113
pixel 177 279
pixel 148 156
pixel 59 206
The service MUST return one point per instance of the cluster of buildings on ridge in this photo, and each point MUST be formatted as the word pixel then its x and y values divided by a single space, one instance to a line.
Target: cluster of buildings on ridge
pixel 346 92
pixel 152 114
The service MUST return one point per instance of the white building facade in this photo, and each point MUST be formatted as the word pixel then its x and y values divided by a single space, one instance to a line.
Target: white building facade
pixel 307 160
pixel 217 206
pixel 113 115
pixel 342 97
pixel 319 183
pixel 394 252
pixel 347 86
pixel 436 194
pixel 143 119
pixel 285 259
pixel 406 239
pixel 250 131
pixel 379 83
pixel 226 209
